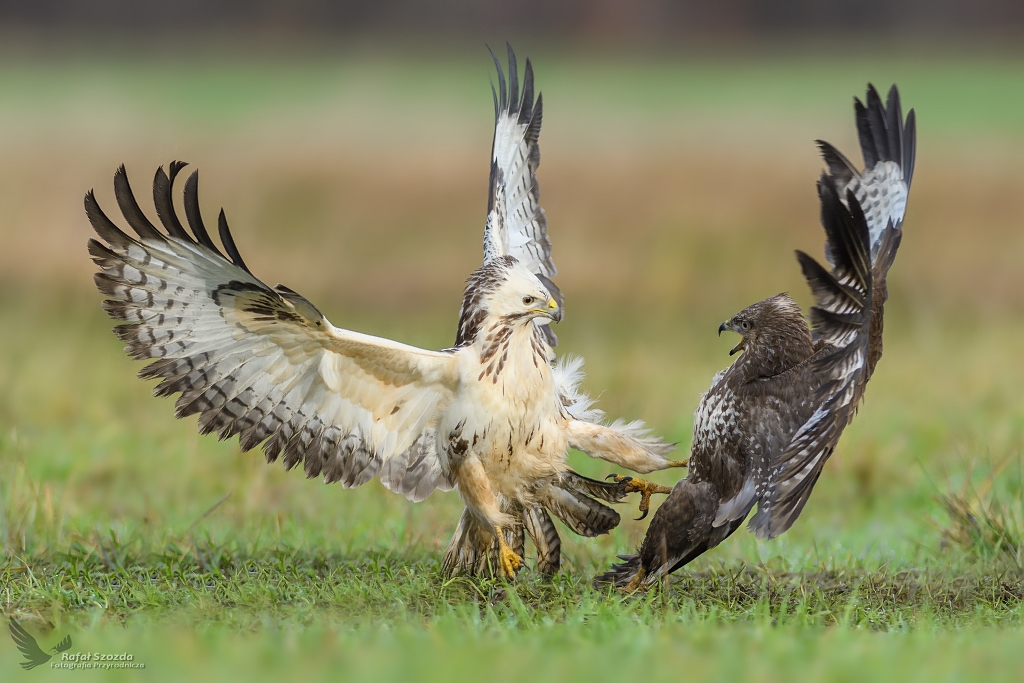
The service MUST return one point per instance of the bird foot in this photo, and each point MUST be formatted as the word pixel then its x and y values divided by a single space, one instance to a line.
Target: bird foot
pixel 678 463
pixel 637 582
pixel 508 561
pixel 644 487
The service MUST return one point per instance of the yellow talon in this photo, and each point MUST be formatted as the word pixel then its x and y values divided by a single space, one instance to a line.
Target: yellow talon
pixel 508 561
pixel 678 463
pixel 637 582
pixel 644 487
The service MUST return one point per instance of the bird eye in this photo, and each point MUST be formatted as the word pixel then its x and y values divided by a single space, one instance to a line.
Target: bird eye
pixel 528 300
pixel 745 325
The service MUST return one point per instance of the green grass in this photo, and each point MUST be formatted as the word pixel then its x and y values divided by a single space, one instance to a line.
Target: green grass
pixel 358 181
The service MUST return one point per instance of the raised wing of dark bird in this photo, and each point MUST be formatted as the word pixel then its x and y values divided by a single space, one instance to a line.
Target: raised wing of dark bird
pixel 28 646
pixel 840 319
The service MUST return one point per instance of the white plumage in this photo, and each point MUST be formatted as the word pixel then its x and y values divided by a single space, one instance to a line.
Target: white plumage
pixel 490 415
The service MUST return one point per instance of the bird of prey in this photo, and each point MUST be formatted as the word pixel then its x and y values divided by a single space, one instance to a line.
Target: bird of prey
pixel 765 428
pixel 34 655
pixel 493 415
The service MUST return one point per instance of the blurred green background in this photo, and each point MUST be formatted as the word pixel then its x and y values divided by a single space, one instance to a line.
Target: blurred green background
pixel 677 179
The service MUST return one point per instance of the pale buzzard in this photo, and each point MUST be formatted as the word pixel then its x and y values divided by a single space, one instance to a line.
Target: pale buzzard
pixel 491 415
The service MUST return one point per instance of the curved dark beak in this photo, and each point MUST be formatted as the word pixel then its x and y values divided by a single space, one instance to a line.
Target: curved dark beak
pixel 722 328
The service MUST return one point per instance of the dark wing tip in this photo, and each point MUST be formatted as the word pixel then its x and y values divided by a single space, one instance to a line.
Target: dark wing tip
pixel 508 97
pixel 909 146
pixel 502 93
pixel 103 226
pixel 229 242
pixel 838 165
pixel 513 80
pixel 194 216
pixel 130 207
pixel 162 198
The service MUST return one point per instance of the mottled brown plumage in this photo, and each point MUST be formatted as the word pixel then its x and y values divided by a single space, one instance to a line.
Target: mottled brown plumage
pixel 765 428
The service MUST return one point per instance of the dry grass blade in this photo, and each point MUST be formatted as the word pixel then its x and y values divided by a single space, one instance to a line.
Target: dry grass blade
pixel 984 523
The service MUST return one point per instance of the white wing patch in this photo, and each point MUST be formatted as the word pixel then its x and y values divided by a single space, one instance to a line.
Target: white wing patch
pixel 882 195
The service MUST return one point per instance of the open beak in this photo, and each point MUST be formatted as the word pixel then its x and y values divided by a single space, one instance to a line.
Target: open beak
pixel 727 325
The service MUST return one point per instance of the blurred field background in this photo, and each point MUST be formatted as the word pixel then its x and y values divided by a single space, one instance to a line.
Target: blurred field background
pixel 678 179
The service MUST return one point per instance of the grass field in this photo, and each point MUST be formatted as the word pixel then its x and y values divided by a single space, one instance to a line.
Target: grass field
pixel 676 191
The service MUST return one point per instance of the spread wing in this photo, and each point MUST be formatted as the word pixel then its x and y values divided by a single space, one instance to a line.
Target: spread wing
pixel 888 144
pixel 862 212
pixel 516 224
pixel 841 320
pixel 27 645
pixel 263 362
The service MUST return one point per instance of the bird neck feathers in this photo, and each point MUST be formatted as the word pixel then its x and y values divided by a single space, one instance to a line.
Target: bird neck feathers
pixel 777 348
pixel 480 285
pixel 510 340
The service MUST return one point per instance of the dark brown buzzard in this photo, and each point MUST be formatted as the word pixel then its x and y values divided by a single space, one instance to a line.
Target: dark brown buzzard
pixel 765 428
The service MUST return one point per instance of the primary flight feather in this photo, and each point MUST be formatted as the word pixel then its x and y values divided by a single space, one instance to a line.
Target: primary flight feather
pixel 492 415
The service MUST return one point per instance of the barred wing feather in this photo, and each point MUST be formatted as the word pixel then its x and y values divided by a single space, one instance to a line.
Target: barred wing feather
pixel 516 223
pixel 263 362
pixel 888 144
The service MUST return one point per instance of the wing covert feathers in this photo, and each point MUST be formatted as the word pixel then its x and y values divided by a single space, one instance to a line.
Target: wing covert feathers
pixel 259 362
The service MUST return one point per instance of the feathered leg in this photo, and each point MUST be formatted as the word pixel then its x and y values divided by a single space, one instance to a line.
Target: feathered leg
pixel 680 531
pixel 481 501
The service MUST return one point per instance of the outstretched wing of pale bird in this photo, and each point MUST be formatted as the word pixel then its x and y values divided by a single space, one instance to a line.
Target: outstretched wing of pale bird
pixel 64 645
pixel 848 316
pixel 516 224
pixel 263 362
pixel 28 646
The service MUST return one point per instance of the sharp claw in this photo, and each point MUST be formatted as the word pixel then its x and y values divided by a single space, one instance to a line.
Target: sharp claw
pixel 643 515
pixel 611 476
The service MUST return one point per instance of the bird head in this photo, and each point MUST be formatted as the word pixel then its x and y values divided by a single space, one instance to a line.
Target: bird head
pixel 504 288
pixel 522 295
pixel 768 324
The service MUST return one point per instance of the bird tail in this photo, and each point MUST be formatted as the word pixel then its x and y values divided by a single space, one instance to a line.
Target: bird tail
pixel 620 575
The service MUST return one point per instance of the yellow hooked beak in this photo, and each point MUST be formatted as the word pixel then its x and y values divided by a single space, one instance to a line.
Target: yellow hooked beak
pixel 551 311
